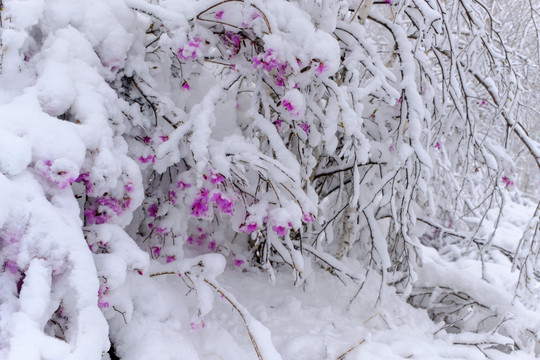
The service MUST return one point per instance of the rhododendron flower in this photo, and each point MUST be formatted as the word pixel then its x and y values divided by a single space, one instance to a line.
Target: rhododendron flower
pixel 129 187
pixel 172 196
pixel 288 105
pixel 190 50
pixel 152 210
pixel 85 179
pixel 278 123
pixel 199 207
pixel 164 138
pixel 225 205
pixel 11 266
pixel 321 68
pixel 147 139
pixel 216 178
pixel 147 159
pixel 171 258
pixel 212 245
pixel 507 181
pixel 238 262
pixel 185 86
pixel 248 228
pixel 161 230
pixel 437 146
pixel 197 325
pixel 304 126
pixel 280 230
pixel 219 15
pixel 308 217
pixel 156 251
pixel 182 185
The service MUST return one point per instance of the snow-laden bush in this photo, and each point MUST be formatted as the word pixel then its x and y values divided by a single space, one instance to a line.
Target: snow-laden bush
pixel 145 139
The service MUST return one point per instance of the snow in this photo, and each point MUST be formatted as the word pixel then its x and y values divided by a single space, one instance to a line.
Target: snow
pixel 262 179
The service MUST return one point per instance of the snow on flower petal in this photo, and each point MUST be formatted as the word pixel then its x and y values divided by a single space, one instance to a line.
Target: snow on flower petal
pixel 225 205
pixel 280 230
pixel 248 228
pixel 199 207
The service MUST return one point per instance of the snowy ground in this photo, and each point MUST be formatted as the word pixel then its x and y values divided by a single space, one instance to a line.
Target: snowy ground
pixel 323 319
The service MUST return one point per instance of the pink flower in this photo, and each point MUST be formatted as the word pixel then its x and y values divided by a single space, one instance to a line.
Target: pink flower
pixel 149 158
pixel 152 210
pixel 156 251
pixel 161 230
pixel 238 262
pixel 185 86
pixel 278 123
pixel 164 138
pixel 182 185
pixel 103 304
pixel 280 230
pixel 85 179
pixel 287 104
pixel 248 228
pixel 219 15
pixel 225 205
pixel 147 139
pixel 212 245
pixel 321 68
pixel 190 50
pixel 199 207
pixel 129 187
pixel 171 258
pixel 172 197
pixel 304 126
pixel 308 217
pixel 437 146
pixel 216 178
pixel 507 182
pixel 389 2
pixel 11 266
pixel 197 326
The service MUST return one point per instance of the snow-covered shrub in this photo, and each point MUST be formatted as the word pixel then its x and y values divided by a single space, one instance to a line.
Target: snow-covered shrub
pixel 155 138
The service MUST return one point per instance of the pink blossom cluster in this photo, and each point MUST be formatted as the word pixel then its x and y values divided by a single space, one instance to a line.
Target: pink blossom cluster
pixel 249 228
pixel 304 126
pixel 199 239
pixel 102 291
pixel 507 181
pixel 190 50
pixel 269 62
pixel 223 203
pixel 199 207
pixel 147 159
pixel 60 178
pixel 232 41
pixel 103 208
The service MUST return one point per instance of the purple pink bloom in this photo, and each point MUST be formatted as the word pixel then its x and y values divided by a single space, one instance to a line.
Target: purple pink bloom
pixel 238 262
pixel 199 207
pixel 280 230
pixel 225 205
pixel 507 181
pixel 248 228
